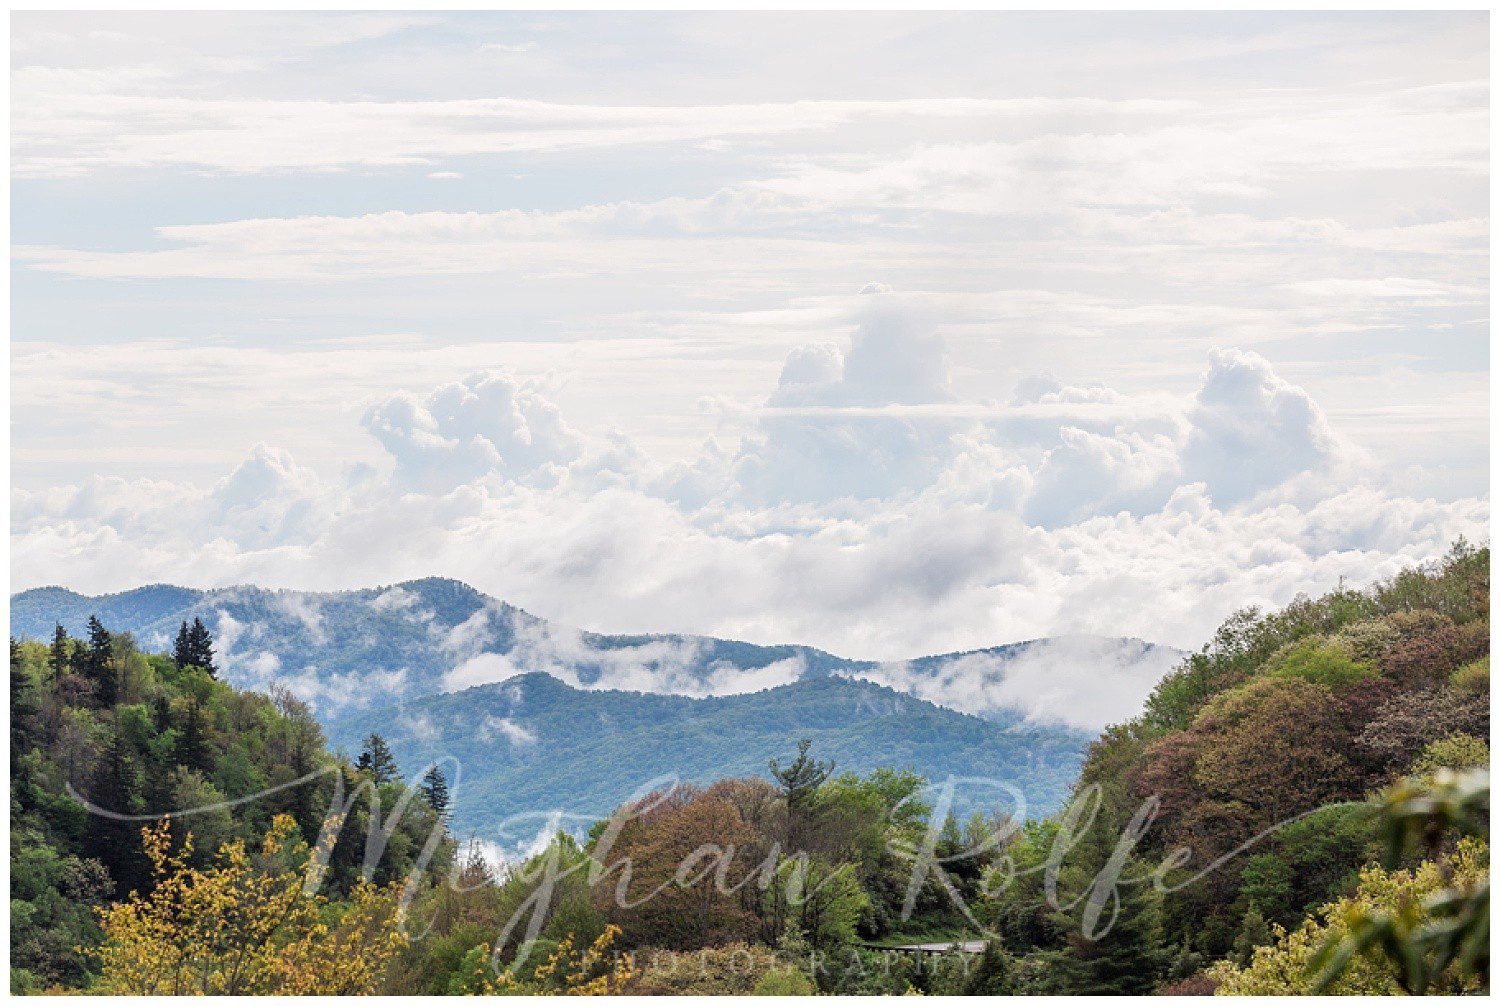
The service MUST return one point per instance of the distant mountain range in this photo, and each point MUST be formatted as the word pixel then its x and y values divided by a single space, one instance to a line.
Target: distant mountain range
pixel 547 717
pixel 533 745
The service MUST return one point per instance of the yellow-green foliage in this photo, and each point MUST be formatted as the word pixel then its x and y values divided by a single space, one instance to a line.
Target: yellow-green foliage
pixel 784 982
pixel 1457 751
pixel 1321 661
pixel 1474 677
pixel 245 927
pixel 731 969
pixel 1282 967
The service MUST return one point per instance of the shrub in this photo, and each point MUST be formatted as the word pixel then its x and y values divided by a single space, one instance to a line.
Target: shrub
pixel 1473 677
pixel 731 969
pixel 1282 968
pixel 1456 751
pixel 783 982
pixel 1322 662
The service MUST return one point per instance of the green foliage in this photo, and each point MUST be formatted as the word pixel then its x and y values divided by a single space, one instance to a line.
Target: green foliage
pixel 1455 752
pixel 1473 676
pixel 174 739
pixel 1322 663
pixel 783 982
pixel 1297 964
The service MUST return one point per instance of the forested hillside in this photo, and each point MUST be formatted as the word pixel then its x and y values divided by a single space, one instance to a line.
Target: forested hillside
pixel 1296 785
pixel 534 744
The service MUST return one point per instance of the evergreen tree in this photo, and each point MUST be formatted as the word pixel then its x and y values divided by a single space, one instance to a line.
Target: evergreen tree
pixel 1186 964
pixel 194 647
pixel 61 650
pixel 24 732
pixel 1254 932
pixel 1128 959
pixel 435 792
pixel 991 976
pixel 201 648
pixel 192 748
pixel 182 648
pixel 799 786
pixel 116 788
pixel 99 664
pixel 377 762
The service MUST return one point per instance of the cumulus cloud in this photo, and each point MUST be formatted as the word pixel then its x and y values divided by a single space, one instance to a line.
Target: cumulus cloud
pixel 1250 430
pixel 488 423
pixel 867 509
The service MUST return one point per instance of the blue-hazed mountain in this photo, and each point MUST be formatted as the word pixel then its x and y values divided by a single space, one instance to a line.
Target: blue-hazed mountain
pixel 532 745
pixel 345 651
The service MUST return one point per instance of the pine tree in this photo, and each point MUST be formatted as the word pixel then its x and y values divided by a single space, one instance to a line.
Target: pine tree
pixel 192 748
pixel 116 787
pixel 61 651
pixel 1254 932
pixel 435 792
pixel 24 729
pixel 99 664
pixel 991 976
pixel 799 785
pixel 1128 959
pixel 377 762
pixel 182 649
pixel 194 647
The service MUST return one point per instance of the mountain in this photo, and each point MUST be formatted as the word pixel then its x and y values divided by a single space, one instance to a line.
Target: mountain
pixel 534 745
pixel 366 649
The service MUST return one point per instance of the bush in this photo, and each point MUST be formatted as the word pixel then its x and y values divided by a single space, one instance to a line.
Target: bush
pixel 1456 751
pixel 731 969
pixel 1473 678
pixel 1322 662
pixel 783 982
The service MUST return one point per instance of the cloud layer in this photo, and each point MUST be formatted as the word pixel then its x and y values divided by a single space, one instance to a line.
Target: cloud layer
pixel 863 509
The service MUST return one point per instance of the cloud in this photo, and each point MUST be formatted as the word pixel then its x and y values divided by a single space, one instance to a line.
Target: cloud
pixel 489 423
pixel 1250 430
pixel 881 515
pixel 1077 681
pixel 509 730
pixel 850 424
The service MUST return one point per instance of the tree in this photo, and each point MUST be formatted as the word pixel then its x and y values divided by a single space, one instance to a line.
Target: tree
pixel 799 787
pixel 23 712
pixel 244 926
pixel 99 664
pixel 61 652
pixel 674 848
pixel 192 748
pixel 1130 957
pixel 194 647
pixel 182 648
pixel 435 792
pixel 991 976
pixel 116 789
pixel 377 762
pixel 1254 932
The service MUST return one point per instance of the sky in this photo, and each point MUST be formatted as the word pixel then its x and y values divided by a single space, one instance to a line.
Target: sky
pixel 891 334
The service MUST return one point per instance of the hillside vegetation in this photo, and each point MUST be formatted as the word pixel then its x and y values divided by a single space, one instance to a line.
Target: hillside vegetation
pixel 1251 832
pixel 534 744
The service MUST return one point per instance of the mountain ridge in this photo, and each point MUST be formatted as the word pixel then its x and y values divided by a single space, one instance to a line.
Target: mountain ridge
pixel 600 747
pixel 370 647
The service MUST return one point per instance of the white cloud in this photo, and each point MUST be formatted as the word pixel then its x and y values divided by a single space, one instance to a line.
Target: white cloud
pixel 509 730
pixel 1079 681
pixel 487 423
pixel 1250 430
pixel 1152 518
